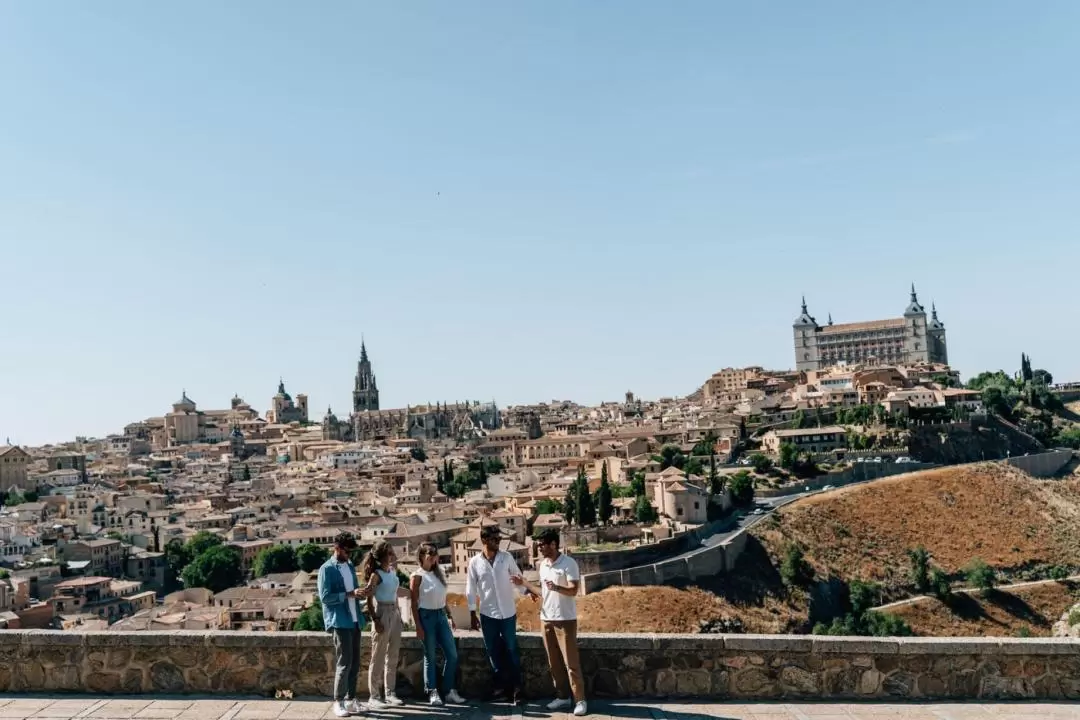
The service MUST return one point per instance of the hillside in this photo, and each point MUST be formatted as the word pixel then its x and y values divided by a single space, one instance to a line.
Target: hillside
pixel 1009 519
pixel 1029 611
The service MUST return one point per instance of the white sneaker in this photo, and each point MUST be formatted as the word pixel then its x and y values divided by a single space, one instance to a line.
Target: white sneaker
pixel 559 704
pixel 434 700
pixel 341 709
pixel 392 699
pixel 453 697
pixel 355 707
pixel 581 709
pixel 376 704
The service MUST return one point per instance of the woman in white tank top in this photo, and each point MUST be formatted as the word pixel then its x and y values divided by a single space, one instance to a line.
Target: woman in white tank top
pixel 434 625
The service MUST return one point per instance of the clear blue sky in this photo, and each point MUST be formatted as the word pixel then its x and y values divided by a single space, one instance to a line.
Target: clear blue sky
pixel 516 201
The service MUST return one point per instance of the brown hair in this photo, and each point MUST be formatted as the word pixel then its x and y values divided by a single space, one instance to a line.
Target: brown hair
pixel 425 550
pixel 375 556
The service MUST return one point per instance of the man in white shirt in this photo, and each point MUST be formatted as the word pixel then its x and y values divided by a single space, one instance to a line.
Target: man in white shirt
pixel 489 591
pixel 559 578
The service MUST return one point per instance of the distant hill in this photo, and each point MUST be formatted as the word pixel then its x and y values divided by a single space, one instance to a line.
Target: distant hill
pixel 1018 524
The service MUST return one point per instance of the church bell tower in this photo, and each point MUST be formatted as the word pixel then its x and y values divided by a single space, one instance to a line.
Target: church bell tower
pixel 365 391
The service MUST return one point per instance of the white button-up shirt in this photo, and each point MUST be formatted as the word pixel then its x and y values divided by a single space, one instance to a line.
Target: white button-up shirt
pixel 347 578
pixel 490 582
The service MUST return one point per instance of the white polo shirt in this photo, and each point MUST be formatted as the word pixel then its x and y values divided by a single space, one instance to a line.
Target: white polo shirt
pixel 562 572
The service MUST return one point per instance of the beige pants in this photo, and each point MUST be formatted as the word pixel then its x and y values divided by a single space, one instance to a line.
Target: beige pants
pixel 382 672
pixel 560 641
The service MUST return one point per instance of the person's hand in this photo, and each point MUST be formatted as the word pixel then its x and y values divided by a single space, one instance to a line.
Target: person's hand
pixel 377 624
pixel 474 621
pixel 550 585
pixel 517 579
pixel 534 596
pixel 360 593
pixel 420 633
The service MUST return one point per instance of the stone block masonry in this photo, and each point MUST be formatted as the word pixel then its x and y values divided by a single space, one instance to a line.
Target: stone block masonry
pixel 743 667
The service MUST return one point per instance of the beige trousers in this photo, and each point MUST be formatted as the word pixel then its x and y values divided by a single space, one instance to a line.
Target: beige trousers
pixel 382 672
pixel 560 642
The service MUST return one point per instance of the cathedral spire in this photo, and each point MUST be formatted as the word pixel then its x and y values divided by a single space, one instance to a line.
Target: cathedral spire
pixel 933 310
pixel 363 350
pixel 914 298
pixel 804 304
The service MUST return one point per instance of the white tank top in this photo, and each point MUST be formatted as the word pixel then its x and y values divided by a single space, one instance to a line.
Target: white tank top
pixel 432 592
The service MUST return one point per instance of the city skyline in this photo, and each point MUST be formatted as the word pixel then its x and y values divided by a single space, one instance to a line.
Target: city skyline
pixel 513 202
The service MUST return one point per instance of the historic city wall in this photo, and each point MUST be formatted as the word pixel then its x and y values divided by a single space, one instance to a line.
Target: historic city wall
pixel 702 562
pixel 1043 464
pixel 713 666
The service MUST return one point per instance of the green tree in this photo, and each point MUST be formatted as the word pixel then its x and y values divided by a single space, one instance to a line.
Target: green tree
pixel 418 454
pixel 940 585
pixel 311 619
pixel 862 596
pixel 14 497
pixel 201 542
pixel 799 420
pixel 880 624
pixel 788 454
pixel 716 480
pixel 604 508
pixel 548 506
pixel 920 568
pixel 4 574
pixel 761 462
pixel 310 556
pixel 981 575
pixel 584 509
pixel 570 503
pixel 644 512
pixel 637 484
pixel 176 559
pixel 670 456
pixel 706 446
pixel 741 486
pixel 795 571
pixel 217 569
pixel 275 559
pixel 30 496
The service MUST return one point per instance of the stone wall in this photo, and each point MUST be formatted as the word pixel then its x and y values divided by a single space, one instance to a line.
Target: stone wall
pixel 1045 464
pixel 702 562
pixel 713 666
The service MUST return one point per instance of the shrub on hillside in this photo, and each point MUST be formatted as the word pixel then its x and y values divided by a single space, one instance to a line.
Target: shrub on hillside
pixel 981 575
pixel 795 571
pixel 1059 572
pixel 920 568
pixel 940 585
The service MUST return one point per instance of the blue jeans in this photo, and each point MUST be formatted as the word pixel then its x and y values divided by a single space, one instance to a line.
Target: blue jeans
pixel 437 633
pixel 500 641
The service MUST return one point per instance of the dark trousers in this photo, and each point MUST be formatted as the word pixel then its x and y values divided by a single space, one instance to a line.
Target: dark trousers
pixel 346 662
pixel 500 641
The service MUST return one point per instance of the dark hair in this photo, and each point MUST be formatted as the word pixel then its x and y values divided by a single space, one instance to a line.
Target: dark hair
pixel 548 535
pixel 425 550
pixel 345 541
pixel 490 531
pixel 375 556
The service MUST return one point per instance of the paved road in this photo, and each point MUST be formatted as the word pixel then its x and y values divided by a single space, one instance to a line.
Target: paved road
pixel 71 707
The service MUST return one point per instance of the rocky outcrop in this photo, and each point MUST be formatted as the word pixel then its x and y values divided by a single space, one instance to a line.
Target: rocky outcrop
pixel 1069 624
pixel 714 666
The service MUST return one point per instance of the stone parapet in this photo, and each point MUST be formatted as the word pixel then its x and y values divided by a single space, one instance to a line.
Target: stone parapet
pixel 696 666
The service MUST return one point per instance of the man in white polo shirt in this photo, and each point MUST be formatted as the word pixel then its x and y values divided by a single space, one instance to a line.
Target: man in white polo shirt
pixel 559 578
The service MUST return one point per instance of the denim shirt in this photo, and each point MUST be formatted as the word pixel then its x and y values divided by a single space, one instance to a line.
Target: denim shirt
pixel 335 606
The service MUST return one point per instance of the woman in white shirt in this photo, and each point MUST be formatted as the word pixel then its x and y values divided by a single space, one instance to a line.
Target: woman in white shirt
pixel 434 624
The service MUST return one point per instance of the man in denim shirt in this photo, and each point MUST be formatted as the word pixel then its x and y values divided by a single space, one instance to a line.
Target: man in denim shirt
pixel 339 593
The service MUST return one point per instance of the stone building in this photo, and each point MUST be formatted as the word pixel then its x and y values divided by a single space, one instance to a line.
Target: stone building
pixel 369 421
pixel 284 410
pixel 14 462
pixel 906 340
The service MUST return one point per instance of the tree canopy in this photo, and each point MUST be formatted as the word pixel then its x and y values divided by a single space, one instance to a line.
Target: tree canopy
pixel 310 556
pixel 217 569
pixel 275 559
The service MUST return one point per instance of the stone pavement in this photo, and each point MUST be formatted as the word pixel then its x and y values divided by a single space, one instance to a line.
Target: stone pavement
pixel 25 707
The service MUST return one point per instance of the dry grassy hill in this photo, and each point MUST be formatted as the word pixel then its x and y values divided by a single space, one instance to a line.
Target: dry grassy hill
pixel 1007 518
pixel 1030 611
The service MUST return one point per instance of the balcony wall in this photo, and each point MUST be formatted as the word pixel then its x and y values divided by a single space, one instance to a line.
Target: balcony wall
pixel 714 666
